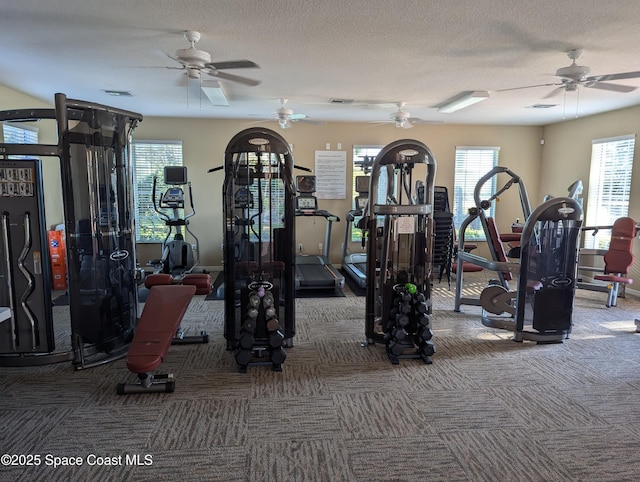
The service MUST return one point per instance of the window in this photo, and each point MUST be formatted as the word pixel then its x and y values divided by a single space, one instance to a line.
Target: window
pixel 470 165
pixel 149 159
pixel 609 186
pixel 13 134
pixel 269 195
pixel 363 157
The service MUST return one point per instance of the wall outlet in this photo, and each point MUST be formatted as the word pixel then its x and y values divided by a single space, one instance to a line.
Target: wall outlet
pixel 320 247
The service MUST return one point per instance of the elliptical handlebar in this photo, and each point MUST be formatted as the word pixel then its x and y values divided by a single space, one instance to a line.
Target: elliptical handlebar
pixel 193 209
pixel 164 216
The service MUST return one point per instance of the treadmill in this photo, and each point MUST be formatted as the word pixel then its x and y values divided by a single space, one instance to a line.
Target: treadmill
pixel 355 264
pixel 315 272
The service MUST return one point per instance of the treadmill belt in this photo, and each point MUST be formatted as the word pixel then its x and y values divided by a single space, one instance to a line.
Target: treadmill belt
pixel 314 276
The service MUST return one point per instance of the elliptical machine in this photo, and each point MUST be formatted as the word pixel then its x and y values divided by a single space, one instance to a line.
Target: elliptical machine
pixel 178 256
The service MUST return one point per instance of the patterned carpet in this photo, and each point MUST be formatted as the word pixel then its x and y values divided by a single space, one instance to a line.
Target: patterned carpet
pixel 487 409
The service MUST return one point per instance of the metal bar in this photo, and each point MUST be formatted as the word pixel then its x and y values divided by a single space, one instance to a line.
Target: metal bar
pixel 7 259
pixel 33 321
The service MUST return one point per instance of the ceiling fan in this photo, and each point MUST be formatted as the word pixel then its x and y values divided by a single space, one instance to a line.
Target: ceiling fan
pixel 402 119
pixel 196 62
pixel 285 116
pixel 574 75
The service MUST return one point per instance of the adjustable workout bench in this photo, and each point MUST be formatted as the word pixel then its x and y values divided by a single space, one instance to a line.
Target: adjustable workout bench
pixel 155 331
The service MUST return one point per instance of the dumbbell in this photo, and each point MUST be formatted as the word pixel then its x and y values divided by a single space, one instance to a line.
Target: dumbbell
pixel 278 355
pixel 243 357
pixel 276 338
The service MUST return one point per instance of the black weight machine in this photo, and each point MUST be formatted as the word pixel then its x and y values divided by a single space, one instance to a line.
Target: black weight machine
pixel 97 190
pixel 399 252
pixel 259 230
pixel 540 308
pixel 315 272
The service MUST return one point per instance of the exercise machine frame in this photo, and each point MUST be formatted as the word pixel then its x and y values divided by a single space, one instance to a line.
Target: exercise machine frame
pixel 97 189
pixel 259 229
pixel 399 255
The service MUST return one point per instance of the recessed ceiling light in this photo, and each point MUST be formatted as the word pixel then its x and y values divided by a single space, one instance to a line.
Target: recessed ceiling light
pixel 118 93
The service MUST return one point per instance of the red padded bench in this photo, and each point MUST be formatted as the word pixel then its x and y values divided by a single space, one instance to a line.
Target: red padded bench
pixel 618 258
pixel 163 311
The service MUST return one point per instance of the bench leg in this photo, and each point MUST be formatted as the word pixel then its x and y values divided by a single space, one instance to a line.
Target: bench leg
pixel 181 339
pixel 149 384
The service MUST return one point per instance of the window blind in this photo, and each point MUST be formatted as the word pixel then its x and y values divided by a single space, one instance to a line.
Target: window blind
pixel 609 185
pixel 471 163
pixel 149 160
pixel 13 134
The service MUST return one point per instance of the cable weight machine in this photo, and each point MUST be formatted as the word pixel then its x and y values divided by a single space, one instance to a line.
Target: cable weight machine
pixel 399 252
pixel 259 216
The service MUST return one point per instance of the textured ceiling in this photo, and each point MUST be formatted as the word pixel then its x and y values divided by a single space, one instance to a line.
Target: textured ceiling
pixel 377 51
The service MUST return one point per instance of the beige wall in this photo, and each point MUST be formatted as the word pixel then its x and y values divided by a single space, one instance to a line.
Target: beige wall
pixel 566 155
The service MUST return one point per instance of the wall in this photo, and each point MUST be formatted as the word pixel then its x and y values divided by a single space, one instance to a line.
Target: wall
pixel 567 153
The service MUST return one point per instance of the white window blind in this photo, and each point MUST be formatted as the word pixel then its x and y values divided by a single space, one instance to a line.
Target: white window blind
pixel 471 164
pixel 13 134
pixel 609 185
pixel 149 160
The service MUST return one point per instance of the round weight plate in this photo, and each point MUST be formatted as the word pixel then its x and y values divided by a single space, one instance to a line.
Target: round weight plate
pixel 490 299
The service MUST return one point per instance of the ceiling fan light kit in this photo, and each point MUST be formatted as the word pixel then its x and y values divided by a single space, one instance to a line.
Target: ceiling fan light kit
pixel 463 100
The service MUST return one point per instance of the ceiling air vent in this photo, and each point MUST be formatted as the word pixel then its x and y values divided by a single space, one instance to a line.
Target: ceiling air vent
pixel 119 93
pixel 341 101
pixel 542 106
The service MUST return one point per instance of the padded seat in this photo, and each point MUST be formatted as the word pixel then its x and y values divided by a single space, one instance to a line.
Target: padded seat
pixel 161 317
pixel 618 258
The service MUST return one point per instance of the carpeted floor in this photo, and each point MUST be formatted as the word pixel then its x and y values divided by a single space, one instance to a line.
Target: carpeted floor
pixel 487 409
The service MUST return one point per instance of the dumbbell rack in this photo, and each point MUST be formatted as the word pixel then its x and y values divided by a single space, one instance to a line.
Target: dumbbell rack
pixel 409 333
pixel 261 339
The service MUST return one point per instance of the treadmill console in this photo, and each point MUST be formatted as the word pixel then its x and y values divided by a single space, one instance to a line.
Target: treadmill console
pixel 362 184
pixel 306 184
pixel 306 204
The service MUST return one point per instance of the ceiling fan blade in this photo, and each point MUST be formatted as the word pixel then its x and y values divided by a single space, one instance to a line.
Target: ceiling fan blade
pixel 165 55
pixel 232 64
pixel 619 76
pixel 611 87
pixel 554 92
pixel 234 78
pixel 527 87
